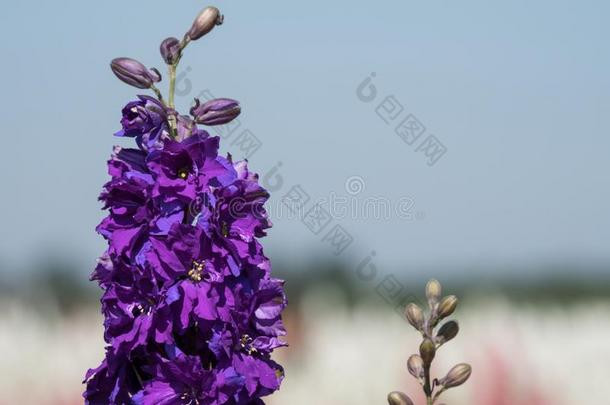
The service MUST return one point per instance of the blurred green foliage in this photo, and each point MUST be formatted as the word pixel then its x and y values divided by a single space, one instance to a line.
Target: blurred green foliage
pixel 67 287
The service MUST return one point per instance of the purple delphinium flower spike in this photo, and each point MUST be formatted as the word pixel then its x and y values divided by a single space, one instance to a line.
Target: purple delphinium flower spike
pixel 191 311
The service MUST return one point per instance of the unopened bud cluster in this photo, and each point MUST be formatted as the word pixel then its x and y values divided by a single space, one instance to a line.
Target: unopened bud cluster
pixel 213 112
pixel 435 331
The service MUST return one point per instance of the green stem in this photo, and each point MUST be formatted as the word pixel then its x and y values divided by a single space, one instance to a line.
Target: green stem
pixel 171 102
pixel 172 84
pixel 427 385
pixel 158 93
pixel 438 394
pixel 173 125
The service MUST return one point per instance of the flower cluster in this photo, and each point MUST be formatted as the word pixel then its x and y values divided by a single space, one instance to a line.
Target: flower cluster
pixel 191 311
pixel 433 338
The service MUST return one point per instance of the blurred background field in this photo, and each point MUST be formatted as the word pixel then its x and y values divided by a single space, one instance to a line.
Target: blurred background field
pixel 536 344
pixel 512 217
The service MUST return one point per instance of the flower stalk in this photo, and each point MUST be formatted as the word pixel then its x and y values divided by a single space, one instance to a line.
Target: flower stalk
pixel 433 337
pixel 157 93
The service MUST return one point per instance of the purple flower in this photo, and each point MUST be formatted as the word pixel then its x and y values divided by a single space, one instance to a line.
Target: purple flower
pixel 267 305
pixel 135 313
pixel 113 382
pixel 237 211
pixel 104 270
pixel 127 162
pixel 129 202
pixel 262 376
pixel 145 120
pixel 186 252
pixel 186 170
pixel 184 380
pixel 133 213
pixel 258 311
pixel 234 216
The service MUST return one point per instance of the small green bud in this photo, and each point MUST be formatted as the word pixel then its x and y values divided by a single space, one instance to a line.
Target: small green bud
pixel 415 364
pixel 447 306
pixel 458 375
pixel 399 398
pixel 415 316
pixel 427 350
pixel 447 332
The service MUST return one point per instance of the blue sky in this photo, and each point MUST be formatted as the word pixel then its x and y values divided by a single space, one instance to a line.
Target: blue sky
pixel 518 93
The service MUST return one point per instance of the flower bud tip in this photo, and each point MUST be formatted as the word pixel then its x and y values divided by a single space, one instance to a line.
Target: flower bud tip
pixel 415 365
pixel 447 306
pixel 134 73
pixel 433 291
pixel 215 112
pixel 447 332
pixel 399 398
pixel 458 375
pixel 207 19
pixel 415 316
pixel 170 50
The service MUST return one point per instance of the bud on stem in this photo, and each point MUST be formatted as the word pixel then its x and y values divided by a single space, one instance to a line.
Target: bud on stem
pixel 415 316
pixel 207 19
pixel 399 398
pixel 447 306
pixel 170 50
pixel 433 292
pixel 457 376
pixel 427 351
pixel 215 112
pixel 447 332
pixel 415 365
pixel 134 73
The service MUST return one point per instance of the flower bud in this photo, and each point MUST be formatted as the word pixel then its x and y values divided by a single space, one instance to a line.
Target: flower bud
pixel 458 375
pixel 447 306
pixel 415 316
pixel 170 50
pixel 447 332
pixel 427 350
pixel 399 398
pixel 433 291
pixel 134 73
pixel 215 112
pixel 205 21
pixel 415 365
